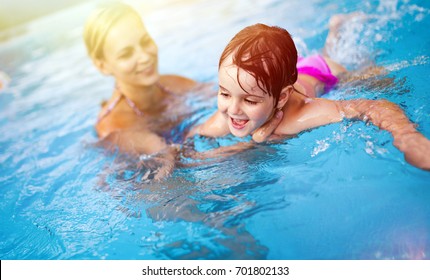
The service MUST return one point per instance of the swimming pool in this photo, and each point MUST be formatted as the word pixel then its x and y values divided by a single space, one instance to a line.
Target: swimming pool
pixel 337 192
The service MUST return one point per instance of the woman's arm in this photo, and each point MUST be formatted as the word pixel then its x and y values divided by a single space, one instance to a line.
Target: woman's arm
pixel 134 142
pixel 154 153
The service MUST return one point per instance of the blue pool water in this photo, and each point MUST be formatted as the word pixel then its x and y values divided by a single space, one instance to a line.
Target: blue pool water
pixel 337 192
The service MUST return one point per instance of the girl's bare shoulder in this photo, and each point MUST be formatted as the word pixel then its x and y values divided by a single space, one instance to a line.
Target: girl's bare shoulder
pixel 312 113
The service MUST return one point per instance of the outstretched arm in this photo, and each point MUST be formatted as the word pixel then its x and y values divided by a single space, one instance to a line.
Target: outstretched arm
pixel 215 126
pixel 388 116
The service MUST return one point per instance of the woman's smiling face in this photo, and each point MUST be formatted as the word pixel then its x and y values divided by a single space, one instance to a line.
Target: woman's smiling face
pixel 130 54
pixel 245 105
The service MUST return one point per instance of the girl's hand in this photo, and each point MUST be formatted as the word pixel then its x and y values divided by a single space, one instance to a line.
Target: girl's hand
pixel 416 148
pixel 265 132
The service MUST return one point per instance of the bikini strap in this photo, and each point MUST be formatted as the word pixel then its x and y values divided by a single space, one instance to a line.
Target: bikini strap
pixel 112 105
pixel 166 89
pixel 130 102
pixel 133 106
pixel 109 108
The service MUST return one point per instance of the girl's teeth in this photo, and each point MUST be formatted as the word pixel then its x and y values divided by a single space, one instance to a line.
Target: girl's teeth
pixel 239 122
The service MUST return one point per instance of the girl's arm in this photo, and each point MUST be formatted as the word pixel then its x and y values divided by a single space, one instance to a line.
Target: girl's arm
pixel 217 153
pixel 388 116
pixel 215 126
pixel 382 113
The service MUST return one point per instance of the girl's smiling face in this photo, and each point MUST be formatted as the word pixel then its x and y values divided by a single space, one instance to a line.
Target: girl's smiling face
pixel 245 106
pixel 130 54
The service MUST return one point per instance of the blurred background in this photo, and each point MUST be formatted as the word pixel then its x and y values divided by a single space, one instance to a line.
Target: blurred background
pixel 17 12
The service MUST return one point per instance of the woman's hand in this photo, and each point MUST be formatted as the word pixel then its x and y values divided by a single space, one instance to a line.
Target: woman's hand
pixel 159 165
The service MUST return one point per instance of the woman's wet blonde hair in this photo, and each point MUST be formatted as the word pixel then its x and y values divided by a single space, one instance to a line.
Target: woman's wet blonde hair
pixel 100 23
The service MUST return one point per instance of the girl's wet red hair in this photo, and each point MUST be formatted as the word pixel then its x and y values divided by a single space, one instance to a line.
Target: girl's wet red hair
pixel 268 53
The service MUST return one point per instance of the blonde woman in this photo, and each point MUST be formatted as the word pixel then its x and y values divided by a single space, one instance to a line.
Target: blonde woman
pixel 120 46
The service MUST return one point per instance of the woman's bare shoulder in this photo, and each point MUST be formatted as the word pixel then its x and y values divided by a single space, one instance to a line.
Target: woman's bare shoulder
pixel 118 120
pixel 177 84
